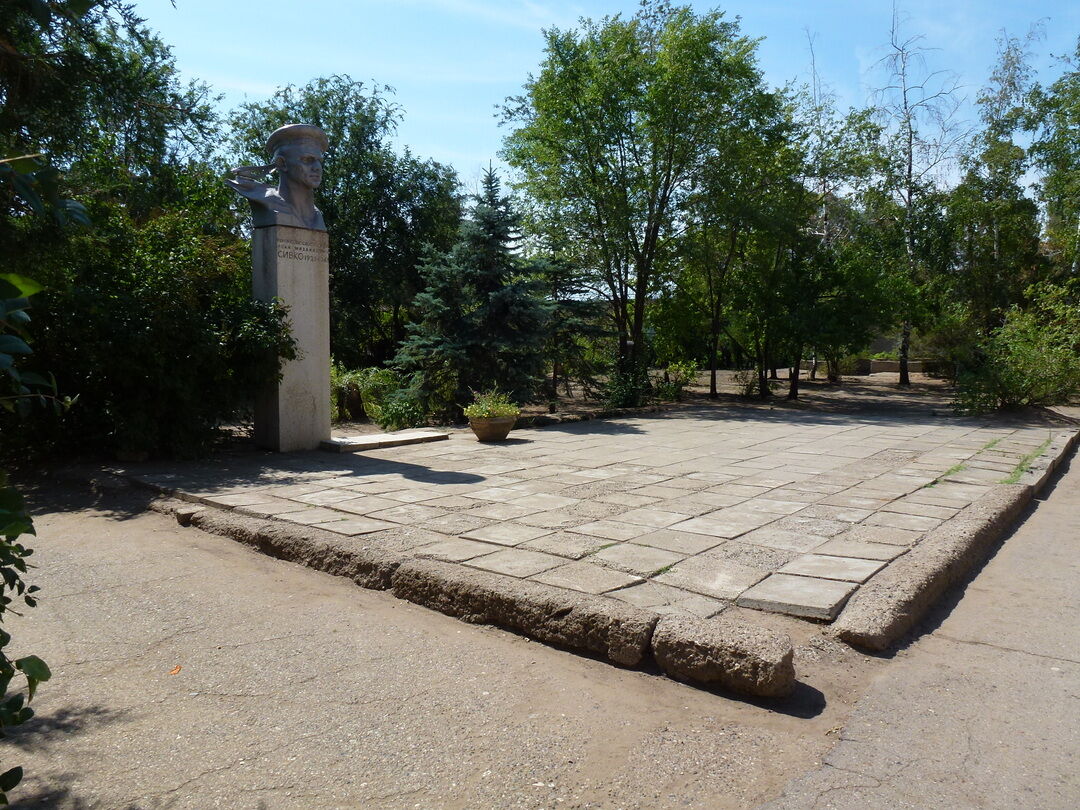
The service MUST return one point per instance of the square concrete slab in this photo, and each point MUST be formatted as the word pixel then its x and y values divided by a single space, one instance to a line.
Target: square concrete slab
pixel 612 530
pixel 364 504
pixel 840 547
pixel 515 562
pixel 354 526
pixel 774 506
pixel 567 544
pixel 414 495
pixel 626 499
pixel 271 508
pixel 409 513
pixel 541 502
pixel 882 534
pixel 453 550
pixel 502 511
pixel 782 539
pixel 507 533
pixel 798 596
pixel 909 507
pixel 681 542
pixel 456 523
pixel 323 497
pixel 722 579
pixel 847 569
pixel 844 514
pixel 718 524
pixel 653 518
pixel 896 520
pixel 586 577
pixel 312 515
pixel 240 499
pixel 635 559
pixel 668 600
pixel 556 519
pixel 819 527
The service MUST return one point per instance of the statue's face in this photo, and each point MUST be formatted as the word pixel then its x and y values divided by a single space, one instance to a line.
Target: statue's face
pixel 302 163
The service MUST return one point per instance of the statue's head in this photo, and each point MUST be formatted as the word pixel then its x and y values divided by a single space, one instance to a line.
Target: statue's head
pixel 297 153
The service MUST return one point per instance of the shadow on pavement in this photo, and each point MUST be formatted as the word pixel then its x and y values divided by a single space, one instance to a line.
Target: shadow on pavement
pixel 36 735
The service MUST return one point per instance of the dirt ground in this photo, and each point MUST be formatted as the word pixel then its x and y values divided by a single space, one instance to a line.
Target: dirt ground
pixel 297 689
pixel 872 391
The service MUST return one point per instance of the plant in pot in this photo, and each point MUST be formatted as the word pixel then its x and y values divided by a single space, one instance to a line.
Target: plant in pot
pixel 491 415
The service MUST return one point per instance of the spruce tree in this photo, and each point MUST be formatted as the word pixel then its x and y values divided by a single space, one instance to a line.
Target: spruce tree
pixel 482 318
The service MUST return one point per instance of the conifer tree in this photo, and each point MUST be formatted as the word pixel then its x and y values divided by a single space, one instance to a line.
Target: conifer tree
pixel 481 318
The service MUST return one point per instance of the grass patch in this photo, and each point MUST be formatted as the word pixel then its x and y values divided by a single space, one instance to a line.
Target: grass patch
pixel 955 468
pixel 1025 464
pixel 663 570
pixel 991 445
pixel 590 553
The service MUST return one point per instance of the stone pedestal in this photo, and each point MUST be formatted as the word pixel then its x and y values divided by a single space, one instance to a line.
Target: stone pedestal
pixel 291 264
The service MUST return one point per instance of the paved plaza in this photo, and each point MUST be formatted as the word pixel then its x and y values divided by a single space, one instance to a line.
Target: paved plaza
pixel 691 511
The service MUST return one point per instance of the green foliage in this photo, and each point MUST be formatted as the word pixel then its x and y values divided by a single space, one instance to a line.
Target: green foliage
pixel 153 325
pixel 15 522
pixel 574 323
pixel 627 384
pixel 676 377
pixel 403 409
pixel 344 392
pixel 611 138
pixel 491 405
pixel 386 400
pixel 382 209
pixel 1033 358
pixel 482 318
pixel 1054 116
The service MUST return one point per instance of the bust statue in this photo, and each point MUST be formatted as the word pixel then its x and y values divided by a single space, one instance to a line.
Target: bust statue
pixel 296 154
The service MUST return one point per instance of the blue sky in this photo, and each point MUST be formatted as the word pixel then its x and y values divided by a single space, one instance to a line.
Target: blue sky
pixel 452 61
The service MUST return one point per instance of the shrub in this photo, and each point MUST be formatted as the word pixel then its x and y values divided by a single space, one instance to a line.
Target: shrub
pixel 627 384
pixel 1031 359
pixel 491 405
pixel 402 410
pixel 346 401
pixel 676 377
pixel 386 400
pixel 153 327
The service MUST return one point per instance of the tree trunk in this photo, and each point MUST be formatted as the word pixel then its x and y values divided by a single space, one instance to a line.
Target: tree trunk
pixel 762 373
pixel 793 386
pixel 905 347
pixel 813 367
pixel 713 392
pixel 832 369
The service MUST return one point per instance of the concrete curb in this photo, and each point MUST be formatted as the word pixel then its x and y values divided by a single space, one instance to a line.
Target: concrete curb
pixel 746 659
pixel 891 603
pixel 315 548
pixel 732 654
pixel 619 632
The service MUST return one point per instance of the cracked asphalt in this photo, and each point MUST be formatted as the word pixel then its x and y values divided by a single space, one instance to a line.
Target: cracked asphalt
pixel 296 689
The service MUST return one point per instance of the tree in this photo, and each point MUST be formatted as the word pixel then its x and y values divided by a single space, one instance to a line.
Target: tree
pixel 611 137
pixel 917 107
pixel 1055 119
pixel 573 321
pixel 482 318
pixel 995 225
pixel 732 199
pixel 163 272
pixel 381 208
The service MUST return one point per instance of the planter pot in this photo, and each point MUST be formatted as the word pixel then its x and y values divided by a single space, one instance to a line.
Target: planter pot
pixel 494 429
